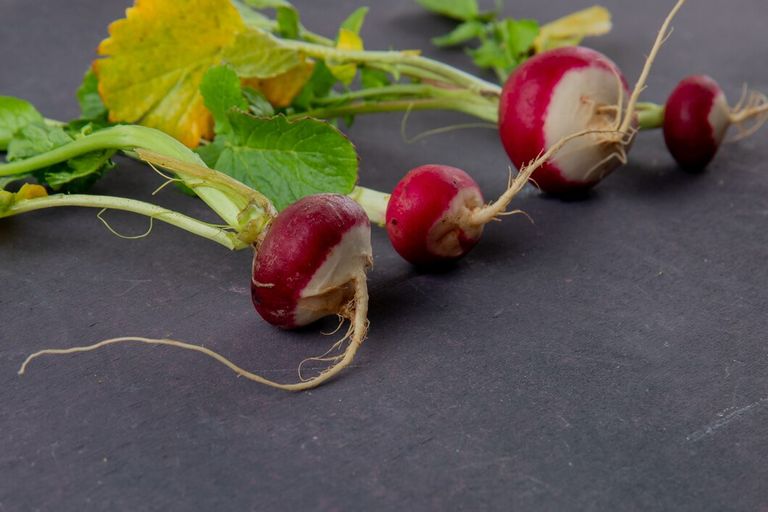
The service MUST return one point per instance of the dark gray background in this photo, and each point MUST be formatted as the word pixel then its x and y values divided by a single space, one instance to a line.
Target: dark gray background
pixel 610 357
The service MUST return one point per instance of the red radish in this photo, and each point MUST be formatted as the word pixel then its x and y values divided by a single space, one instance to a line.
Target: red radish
pixel 311 263
pixel 436 212
pixel 568 90
pixel 308 264
pixel 555 93
pixel 429 214
pixel 697 117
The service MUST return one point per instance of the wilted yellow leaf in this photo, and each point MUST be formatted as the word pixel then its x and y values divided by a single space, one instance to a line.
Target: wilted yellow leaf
pixel 282 89
pixel 570 30
pixel 155 58
pixel 350 41
pixel 31 191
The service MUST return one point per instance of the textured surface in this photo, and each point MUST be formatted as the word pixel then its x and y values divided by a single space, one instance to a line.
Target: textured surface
pixel 612 356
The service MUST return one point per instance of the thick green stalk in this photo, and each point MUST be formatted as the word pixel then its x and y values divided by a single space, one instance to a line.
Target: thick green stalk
pixel 226 238
pixel 487 112
pixel 373 202
pixel 650 116
pixel 227 205
pixel 388 60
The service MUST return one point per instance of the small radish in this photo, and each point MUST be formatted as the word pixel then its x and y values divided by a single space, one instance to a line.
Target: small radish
pixel 437 213
pixel 429 216
pixel 568 90
pixel 312 263
pixel 697 117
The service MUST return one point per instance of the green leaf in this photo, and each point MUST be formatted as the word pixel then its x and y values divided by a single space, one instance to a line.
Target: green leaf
pixel 354 22
pixel 282 159
pixel 221 92
pixel 463 10
pixel 91 106
pixel 370 78
pixel 461 34
pixel 256 54
pixel 258 104
pixel 15 114
pixel 519 36
pixel 34 139
pixel 288 22
pixel 319 85
pixel 76 174
pixel 80 173
pixel 489 54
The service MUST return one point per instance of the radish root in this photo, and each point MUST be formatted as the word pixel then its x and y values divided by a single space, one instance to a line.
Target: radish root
pixel 663 34
pixel 752 107
pixel 490 212
pixel 112 230
pixel 357 312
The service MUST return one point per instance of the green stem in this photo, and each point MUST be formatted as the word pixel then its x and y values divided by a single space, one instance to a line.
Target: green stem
pixel 373 202
pixel 487 112
pixel 384 91
pixel 650 115
pixel 227 204
pixel 388 59
pixel 228 239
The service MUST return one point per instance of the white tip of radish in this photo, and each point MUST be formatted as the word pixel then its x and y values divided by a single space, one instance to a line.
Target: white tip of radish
pixel 572 108
pixel 332 284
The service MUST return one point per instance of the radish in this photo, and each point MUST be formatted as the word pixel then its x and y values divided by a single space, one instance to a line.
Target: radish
pixel 697 117
pixel 437 213
pixel 311 263
pixel 568 90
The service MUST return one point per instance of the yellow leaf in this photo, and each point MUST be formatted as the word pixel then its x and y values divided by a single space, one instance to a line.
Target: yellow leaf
pixel 350 41
pixel 31 191
pixel 155 58
pixel 570 30
pixel 282 89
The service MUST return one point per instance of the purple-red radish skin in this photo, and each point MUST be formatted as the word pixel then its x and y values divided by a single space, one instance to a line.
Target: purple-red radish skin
pixel 696 117
pixel 428 212
pixel 547 98
pixel 304 268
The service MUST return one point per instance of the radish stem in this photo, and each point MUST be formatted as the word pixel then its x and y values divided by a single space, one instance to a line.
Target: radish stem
pixel 226 238
pixel 417 66
pixel 373 202
pixel 650 116
pixel 237 208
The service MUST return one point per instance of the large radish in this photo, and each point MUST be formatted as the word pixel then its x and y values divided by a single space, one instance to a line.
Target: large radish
pixel 569 90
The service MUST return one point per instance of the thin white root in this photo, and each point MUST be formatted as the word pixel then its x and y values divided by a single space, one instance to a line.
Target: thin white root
pixel 488 213
pixel 435 131
pixel 100 216
pixel 661 37
pixel 168 179
pixel 359 330
pixel 751 108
